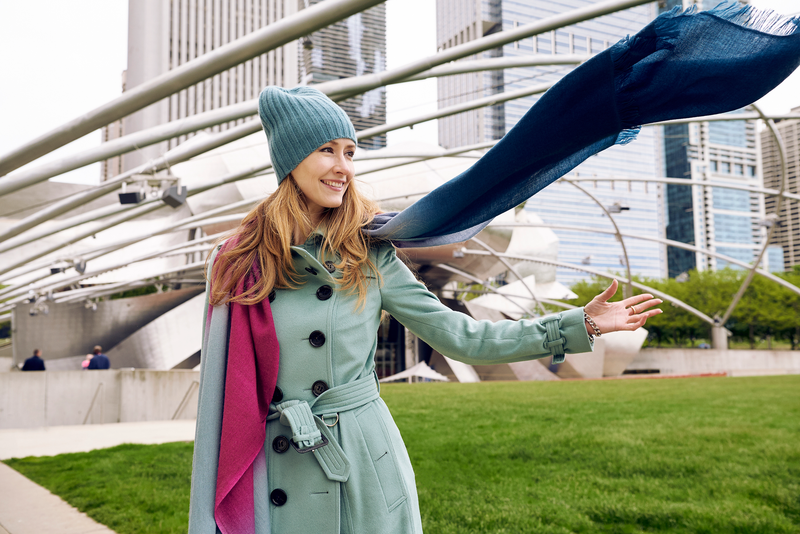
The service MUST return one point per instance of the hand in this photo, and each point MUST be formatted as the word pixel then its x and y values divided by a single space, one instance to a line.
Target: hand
pixel 628 314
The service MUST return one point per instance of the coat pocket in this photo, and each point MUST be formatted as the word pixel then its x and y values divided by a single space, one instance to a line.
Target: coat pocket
pixel 382 454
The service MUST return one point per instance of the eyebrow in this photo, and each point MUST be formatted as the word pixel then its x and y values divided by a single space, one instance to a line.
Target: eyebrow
pixel 348 145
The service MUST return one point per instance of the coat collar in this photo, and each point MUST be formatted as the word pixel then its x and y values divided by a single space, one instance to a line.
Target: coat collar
pixel 305 257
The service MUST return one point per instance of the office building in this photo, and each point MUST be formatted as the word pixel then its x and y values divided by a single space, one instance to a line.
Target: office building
pixel 721 220
pixel 457 22
pixel 637 205
pixel 351 47
pixel 786 236
pixel 716 219
pixel 165 34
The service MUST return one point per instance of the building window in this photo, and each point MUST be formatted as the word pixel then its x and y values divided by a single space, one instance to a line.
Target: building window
pixel 714 165
pixel 725 167
pixel 733 229
pixel 738 169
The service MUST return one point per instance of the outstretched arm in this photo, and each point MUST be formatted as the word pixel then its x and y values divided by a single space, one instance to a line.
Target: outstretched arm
pixel 627 314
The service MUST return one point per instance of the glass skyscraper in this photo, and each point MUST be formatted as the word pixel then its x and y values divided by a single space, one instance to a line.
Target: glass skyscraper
pixel 721 220
pixel 165 34
pixel 457 22
pixel 726 221
pixel 638 205
pixel 351 47
pixel 786 237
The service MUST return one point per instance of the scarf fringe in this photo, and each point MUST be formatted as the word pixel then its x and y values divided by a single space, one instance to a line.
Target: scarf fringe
pixel 762 20
pixel 627 135
pixel 664 33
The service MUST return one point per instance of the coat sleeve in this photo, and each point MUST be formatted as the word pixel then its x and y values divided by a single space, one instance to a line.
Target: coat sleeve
pixel 213 362
pixel 461 337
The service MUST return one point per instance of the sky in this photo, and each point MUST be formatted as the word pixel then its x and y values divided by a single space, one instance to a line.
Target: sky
pixel 62 58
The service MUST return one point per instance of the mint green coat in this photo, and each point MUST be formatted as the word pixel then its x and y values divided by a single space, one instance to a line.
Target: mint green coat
pixel 379 494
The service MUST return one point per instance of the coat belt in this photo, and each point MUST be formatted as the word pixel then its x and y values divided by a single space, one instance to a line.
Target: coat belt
pixel 309 431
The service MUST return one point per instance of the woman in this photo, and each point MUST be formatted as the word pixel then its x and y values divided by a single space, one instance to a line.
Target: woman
pixel 299 282
pixel 307 445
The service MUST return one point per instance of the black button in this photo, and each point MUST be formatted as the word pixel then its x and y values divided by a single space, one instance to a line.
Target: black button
pixel 324 292
pixel 280 444
pixel 278 497
pixel 317 338
pixel 330 266
pixel 319 388
pixel 312 270
pixel 277 396
pixel 272 295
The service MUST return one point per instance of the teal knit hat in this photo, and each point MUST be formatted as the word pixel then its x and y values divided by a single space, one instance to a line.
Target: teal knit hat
pixel 297 122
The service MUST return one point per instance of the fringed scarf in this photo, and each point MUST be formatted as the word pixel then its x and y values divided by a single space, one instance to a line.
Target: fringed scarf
pixel 250 377
pixel 680 65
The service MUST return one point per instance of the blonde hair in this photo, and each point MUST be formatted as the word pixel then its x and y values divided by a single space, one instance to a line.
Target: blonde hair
pixel 264 238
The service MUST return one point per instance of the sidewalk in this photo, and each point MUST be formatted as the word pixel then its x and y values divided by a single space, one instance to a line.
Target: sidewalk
pixel 27 508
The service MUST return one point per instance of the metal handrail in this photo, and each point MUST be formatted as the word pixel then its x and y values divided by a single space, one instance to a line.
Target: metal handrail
pixel 100 387
pixel 185 400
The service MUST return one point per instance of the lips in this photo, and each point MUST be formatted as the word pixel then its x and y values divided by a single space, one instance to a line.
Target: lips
pixel 335 185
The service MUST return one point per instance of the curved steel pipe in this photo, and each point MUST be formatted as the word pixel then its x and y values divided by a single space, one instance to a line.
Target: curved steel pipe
pixel 627 291
pixel 778 205
pixel 247 47
pixel 215 61
pixel 543 301
pixel 477 280
pixel 178 154
pixel 248 108
pixel 676 244
pixel 684 181
pixel 511 268
pixel 609 276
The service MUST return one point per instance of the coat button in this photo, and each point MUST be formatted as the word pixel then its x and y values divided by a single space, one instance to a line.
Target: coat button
pixel 330 267
pixel 317 338
pixel 324 292
pixel 280 444
pixel 277 396
pixel 272 295
pixel 278 497
pixel 312 270
pixel 319 388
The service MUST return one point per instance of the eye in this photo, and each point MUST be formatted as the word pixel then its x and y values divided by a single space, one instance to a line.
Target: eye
pixel 326 149
pixel 350 153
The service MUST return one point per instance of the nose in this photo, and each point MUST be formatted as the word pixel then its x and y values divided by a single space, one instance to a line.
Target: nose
pixel 343 165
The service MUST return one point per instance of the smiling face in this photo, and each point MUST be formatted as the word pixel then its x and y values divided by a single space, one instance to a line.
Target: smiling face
pixel 325 175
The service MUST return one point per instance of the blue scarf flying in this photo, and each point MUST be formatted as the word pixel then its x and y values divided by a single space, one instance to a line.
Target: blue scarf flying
pixel 680 65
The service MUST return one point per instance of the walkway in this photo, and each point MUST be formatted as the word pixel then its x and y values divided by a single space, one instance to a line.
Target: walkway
pixel 27 508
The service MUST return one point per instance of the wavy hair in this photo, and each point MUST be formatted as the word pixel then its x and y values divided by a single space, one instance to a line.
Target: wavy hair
pixel 264 238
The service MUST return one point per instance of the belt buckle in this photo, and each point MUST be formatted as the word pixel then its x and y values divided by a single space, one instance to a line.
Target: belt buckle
pixel 312 447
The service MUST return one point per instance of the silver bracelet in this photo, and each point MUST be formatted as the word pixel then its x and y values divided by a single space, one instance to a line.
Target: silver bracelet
pixel 593 325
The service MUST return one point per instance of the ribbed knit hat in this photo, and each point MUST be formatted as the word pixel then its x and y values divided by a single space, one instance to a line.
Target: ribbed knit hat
pixel 297 122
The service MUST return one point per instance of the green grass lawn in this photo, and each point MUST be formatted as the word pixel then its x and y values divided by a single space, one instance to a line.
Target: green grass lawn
pixel 706 455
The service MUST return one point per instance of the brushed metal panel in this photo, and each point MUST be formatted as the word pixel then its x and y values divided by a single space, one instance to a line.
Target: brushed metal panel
pixel 164 342
pixel 70 329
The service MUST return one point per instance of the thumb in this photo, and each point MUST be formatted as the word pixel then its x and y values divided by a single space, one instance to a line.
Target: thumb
pixel 609 292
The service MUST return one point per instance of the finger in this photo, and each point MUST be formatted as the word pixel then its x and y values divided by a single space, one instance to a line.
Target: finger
pixel 639 321
pixel 636 299
pixel 636 309
pixel 643 306
pixel 609 292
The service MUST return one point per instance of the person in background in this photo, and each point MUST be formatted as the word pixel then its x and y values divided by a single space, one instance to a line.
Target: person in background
pixel 35 362
pixel 99 360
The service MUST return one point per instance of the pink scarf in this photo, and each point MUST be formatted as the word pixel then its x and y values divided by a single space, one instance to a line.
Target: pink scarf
pixel 251 375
